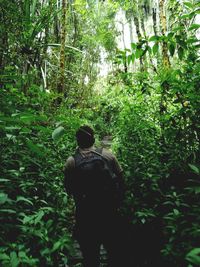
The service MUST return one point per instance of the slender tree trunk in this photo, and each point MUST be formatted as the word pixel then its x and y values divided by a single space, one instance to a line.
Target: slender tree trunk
pixel 131 36
pixel 61 82
pixel 145 36
pixel 131 30
pixel 75 36
pixel 166 65
pixel 3 48
pixel 154 17
pixel 137 26
pixel 142 25
pixel 139 35
pixel 163 22
pixel 123 36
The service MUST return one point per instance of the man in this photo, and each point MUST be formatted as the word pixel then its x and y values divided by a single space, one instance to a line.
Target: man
pixel 94 178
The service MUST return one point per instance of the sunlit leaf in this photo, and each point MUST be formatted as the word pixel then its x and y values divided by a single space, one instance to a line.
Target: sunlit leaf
pixel 153 38
pixel 20 198
pixel 194 256
pixel 185 16
pixel 129 59
pixel 133 46
pixel 27 219
pixel 138 53
pixel 14 261
pixel 4 180
pixel 155 48
pixel 176 212
pixel 39 216
pixel 188 4
pixel 194 27
pixel 56 246
pixel 194 168
pixel 4 257
pixel 58 133
pixel 133 57
pixel 3 198
pixel 9 211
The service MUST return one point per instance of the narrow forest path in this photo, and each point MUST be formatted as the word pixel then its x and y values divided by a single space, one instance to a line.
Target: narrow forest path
pixel 106 142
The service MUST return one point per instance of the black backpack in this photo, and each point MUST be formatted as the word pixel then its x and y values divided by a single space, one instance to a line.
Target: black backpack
pixel 94 182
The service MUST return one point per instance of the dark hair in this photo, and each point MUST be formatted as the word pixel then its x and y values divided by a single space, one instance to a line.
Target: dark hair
pixel 85 136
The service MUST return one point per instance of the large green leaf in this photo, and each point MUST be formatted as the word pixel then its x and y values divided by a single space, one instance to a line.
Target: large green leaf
pixel 194 168
pixel 153 38
pixel 3 198
pixel 194 256
pixel 14 261
pixel 20 198
pixel 9 211
pixel 188 4
pixel 129 59
pixel 4 256
pixel 138 53
pixel 39 216
pixel 172 49
pixel 194 27
pixel 58 133
pixel 133 46
pixel 56 246
pixel 155 48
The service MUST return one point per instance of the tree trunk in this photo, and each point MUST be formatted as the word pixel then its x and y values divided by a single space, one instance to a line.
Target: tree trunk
pixel 145 36
pixel 137 26
pixel 131 30
pixel 123 35
pixel 155 29
pixel 131 35
pixel 163 23
pixel 4 47
pixel 61 82
pixel 154 17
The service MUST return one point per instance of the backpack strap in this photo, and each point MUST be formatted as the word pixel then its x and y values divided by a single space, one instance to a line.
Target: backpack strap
pixel 99 151
pixel 78 156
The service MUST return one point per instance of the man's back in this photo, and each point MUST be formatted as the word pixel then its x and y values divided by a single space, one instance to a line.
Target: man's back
pixel 96 207
pixel 93 177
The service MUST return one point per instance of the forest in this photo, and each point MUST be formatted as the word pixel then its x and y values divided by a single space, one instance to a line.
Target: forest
pixel 131 70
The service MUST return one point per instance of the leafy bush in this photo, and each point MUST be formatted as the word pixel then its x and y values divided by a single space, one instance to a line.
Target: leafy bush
pixel 159 154
pixel 37 214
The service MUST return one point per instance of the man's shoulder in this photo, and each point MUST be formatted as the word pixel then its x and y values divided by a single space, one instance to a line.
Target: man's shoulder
pixel 107 154
pixel 112 159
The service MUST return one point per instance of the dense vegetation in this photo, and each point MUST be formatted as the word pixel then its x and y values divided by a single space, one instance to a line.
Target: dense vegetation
pixel 51 54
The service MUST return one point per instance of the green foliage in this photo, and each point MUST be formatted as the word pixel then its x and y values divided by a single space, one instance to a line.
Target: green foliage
pixel 36 210
pixel 193 256
pixel 153 115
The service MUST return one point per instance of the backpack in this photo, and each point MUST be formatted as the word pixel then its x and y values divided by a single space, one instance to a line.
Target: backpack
pixel 94 183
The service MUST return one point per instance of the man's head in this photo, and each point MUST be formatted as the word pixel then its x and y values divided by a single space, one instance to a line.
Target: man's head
pixel 85 136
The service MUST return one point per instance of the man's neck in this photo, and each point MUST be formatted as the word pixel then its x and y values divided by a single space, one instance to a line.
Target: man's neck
pixel 86 148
